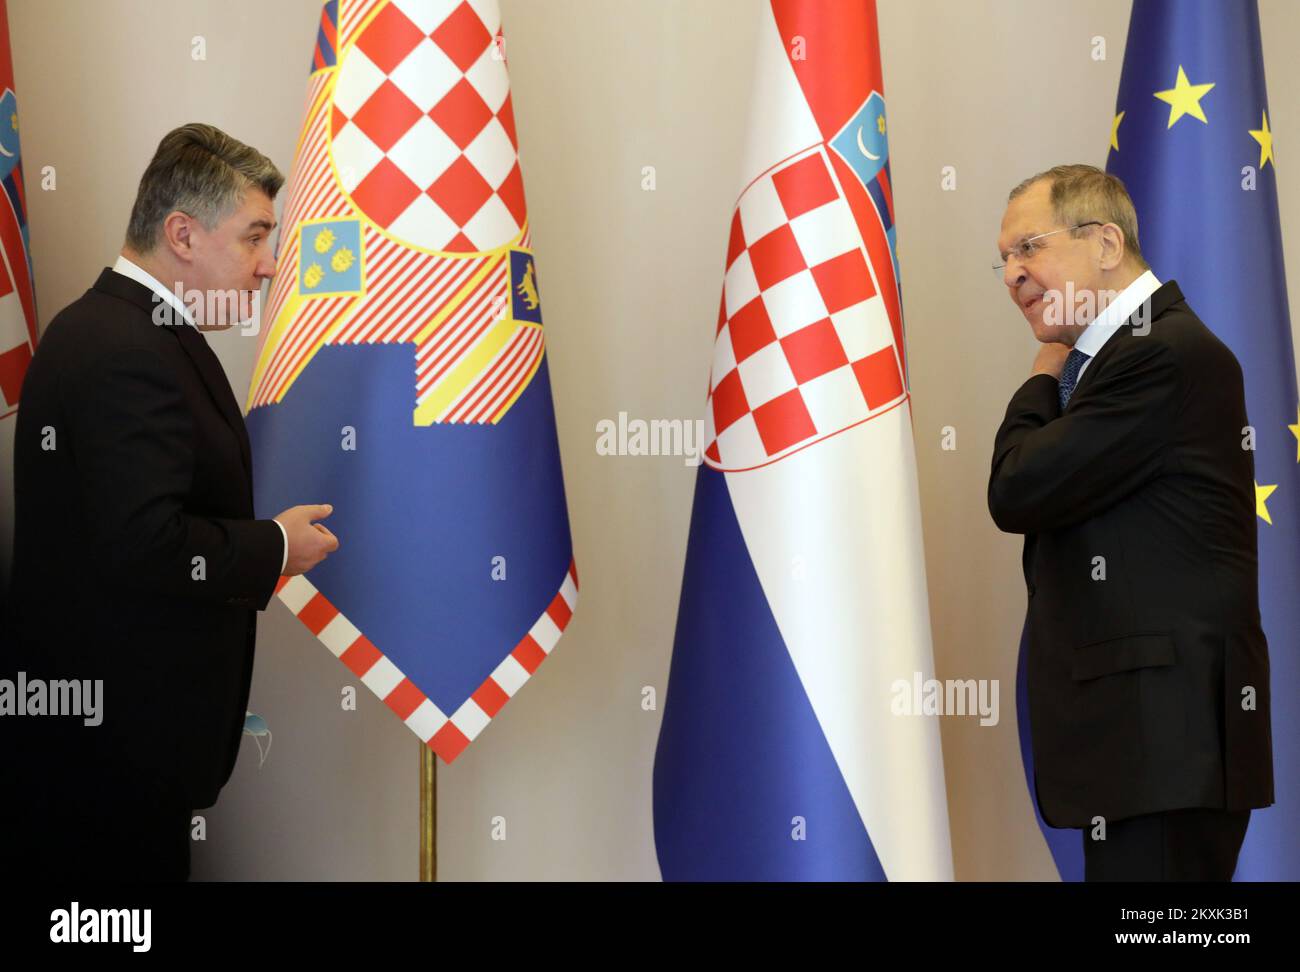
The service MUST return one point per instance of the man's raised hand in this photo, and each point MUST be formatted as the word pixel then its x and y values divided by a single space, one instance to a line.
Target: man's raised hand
pixel 309 543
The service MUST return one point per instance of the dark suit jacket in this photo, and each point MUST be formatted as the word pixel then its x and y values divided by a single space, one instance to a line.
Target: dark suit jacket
pixel 1136 681
pixel 150 470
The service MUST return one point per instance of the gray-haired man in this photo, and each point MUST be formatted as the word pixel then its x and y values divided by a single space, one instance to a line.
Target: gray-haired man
pixel 137 558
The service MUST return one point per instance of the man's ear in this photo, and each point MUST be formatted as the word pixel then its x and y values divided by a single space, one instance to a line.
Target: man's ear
pixel 178 230
pixel 1112 246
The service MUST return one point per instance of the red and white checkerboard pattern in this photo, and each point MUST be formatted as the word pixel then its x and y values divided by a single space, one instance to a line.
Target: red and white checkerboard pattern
pixel 804 348
pixel 423 132
pixel 15 343
pixel 445 735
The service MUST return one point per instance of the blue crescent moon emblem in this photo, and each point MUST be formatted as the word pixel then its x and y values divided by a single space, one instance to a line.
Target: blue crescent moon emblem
pixel 863 149
pixel 8 133
pixel 862 142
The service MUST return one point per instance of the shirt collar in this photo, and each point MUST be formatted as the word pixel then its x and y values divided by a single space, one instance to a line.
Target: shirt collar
pixel 137 273
pixel 1119 310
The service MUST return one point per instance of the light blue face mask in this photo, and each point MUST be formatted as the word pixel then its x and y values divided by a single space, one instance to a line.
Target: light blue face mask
pixel 255 726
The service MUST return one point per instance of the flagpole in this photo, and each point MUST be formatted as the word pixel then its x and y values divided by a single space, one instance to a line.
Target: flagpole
pixel 428 814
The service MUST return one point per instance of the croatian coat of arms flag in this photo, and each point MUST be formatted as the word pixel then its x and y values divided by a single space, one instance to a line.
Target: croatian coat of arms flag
pixel 402 374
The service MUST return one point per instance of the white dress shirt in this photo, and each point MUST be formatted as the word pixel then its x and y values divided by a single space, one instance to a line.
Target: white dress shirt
pixel 137 273
pixel 1119 310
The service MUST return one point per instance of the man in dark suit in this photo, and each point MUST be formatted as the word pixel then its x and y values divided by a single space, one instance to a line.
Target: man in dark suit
pixel 138 563
pixel 1125 460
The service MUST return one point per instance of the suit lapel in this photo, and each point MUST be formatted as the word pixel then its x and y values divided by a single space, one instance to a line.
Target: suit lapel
pixel 196 348
pixel 214 376
pixel 1164 297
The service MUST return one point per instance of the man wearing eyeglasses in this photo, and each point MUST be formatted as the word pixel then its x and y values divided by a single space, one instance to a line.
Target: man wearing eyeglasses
pixel 1124 460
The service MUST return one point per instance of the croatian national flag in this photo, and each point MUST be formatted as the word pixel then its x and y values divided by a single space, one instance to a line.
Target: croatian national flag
pixel 17 300
pixel 783 755
pixel 403 376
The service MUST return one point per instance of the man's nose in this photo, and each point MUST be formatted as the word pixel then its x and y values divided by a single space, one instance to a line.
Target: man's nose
pixel 1013 274
pixel 266 268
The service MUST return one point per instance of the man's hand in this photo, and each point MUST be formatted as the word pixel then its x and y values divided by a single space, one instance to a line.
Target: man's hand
pixel 309 543
pixel 1050 360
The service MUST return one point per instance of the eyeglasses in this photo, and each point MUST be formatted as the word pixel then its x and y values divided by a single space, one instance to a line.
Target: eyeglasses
pixel 1025 249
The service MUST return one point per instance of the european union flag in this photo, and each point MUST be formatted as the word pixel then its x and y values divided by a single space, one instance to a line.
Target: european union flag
pixel 1192 141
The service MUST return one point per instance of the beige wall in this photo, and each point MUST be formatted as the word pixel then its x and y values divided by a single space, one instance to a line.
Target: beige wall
pixel 998 89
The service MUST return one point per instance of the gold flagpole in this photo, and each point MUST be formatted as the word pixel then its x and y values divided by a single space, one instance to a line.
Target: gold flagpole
pixel 428 814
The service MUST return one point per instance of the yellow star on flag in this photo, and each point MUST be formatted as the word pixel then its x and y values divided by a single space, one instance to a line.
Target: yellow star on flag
pixel 1265 139
pixel 1262 493
pixel 1114 131
pixel 1295 430
pixel 1184 98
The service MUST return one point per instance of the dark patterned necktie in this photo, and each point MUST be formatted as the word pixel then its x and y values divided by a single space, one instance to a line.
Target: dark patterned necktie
pixel 1070 374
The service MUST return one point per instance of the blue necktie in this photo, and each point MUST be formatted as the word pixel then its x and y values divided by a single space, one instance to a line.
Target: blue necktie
pixel 1070 374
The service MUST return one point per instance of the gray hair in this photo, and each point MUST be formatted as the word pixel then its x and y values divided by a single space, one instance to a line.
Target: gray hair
pixel 201 171
pixel 1084 192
